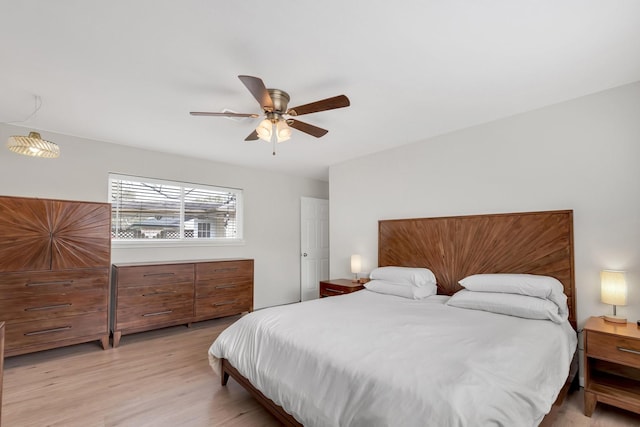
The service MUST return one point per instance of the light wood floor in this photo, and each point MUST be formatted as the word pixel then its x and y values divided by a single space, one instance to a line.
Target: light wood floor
pixel 161 378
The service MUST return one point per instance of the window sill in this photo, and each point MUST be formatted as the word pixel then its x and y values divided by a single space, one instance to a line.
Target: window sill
pixel 163 243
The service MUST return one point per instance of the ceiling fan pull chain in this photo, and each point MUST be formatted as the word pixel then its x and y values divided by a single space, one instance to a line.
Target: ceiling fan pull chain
pixel 273 141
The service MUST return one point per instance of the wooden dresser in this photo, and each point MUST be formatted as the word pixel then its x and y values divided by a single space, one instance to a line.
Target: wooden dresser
pixel 54 273
pixel 156 295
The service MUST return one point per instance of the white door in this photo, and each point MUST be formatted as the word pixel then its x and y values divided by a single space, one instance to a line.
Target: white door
pixel 314 246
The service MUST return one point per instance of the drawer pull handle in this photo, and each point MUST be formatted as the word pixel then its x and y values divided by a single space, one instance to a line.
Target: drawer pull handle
pixel 159 313
pixel 47 331
pixel 628 350
pixel 338 291
pixel 223 270
pixel 158 293
pixel 47 307
pixel 232 285
pixel 218 304
pixel 158 274
pixel 61 282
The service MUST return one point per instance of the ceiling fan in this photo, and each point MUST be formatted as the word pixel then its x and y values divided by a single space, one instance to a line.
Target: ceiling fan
pixel 274 103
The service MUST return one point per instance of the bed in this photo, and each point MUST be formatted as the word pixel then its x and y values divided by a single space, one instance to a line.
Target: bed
pixel 368 358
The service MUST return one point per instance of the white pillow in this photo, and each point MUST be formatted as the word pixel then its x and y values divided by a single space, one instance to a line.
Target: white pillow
pixel 407 275
pixel 509 304
pixel 404 290
pixel 523 284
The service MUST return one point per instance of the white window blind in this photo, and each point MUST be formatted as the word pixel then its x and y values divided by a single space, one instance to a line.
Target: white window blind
pixel 145 208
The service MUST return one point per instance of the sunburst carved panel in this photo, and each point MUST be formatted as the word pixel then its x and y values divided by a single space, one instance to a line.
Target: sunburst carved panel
pixel 24 235
pixel 80 236
pixel 41 234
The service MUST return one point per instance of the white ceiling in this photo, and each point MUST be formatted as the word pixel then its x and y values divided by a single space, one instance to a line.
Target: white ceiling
pixel 129 72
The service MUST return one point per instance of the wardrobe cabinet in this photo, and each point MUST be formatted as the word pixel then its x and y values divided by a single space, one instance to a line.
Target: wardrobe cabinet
pixel 54 273
pixel 149 296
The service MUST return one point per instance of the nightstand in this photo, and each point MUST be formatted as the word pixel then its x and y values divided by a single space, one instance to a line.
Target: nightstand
pixel 612 365
pixel 329 288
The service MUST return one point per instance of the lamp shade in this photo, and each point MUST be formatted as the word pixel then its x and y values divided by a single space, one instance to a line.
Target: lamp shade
pixel 265 130
pixel 33 145
pixel 283 131
pixel 613 287
pixel 356 263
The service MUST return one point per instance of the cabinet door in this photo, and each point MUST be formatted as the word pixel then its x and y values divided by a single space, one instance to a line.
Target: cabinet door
pixel 24 228
pixel 40 234
pixel 80 234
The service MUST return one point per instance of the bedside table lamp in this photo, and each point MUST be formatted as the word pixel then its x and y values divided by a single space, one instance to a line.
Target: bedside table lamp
pixel 613 291
pixel 356 266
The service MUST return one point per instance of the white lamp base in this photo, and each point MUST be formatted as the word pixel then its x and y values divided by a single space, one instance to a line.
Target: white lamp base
pixel 615 319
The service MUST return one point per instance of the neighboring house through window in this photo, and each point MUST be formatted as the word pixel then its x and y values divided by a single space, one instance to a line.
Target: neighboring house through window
pixel 145 209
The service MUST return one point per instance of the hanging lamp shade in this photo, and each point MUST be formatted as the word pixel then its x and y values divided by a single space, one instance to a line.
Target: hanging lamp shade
pixel 33 145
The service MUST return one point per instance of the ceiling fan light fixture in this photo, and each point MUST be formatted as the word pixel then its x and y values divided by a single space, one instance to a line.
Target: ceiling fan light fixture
pixel 283 131
pixel 265 130
pixel 34 146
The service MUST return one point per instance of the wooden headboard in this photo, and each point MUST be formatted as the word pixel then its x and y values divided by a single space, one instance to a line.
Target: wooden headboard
pixel 458 246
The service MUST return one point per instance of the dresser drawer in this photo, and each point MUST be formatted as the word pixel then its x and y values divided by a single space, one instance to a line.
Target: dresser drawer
pixel 221 270
pixel 51 305
pixel 156 296
pixel 612 348
pixel 154 275
pixel 223 305
pixel 232 286
pixel 154 314
pixel 26 334
pixel 149 305
pixel 41 284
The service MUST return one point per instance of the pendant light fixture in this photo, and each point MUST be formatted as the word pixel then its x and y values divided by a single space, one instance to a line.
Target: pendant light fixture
pixel 33 145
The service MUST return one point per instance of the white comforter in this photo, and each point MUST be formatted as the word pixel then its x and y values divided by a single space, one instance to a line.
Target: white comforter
pixel 367 359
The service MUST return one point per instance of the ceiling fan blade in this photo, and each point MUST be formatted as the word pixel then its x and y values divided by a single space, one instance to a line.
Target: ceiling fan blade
pixel 339 101
pixel 228 114
pixel 258 90
pixel 252 136
pixel 307 128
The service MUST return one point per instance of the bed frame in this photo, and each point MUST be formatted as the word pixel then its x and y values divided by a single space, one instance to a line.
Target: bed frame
pixel 458 246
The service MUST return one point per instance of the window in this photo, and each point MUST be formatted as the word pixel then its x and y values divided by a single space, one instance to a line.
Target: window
pixel 144 209
pixel 204 229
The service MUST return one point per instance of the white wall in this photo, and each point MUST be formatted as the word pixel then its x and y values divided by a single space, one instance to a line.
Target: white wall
pixel 271 200
pixel 582 154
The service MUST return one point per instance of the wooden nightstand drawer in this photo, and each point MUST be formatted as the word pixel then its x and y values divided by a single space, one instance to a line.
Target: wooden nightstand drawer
pixel 613 348
pixel 330 288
